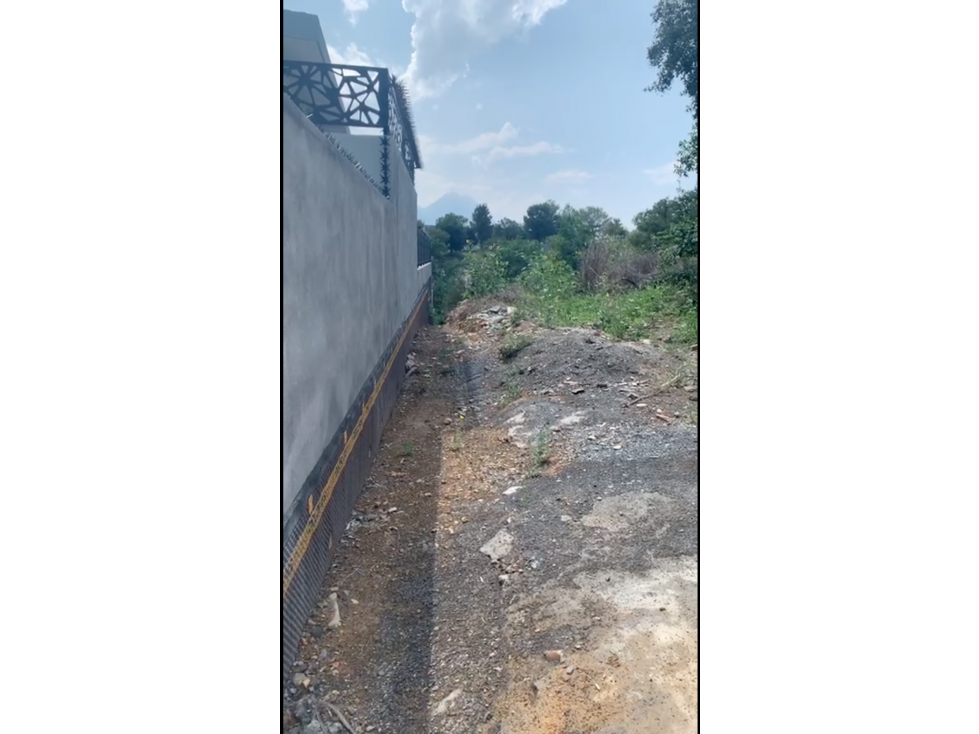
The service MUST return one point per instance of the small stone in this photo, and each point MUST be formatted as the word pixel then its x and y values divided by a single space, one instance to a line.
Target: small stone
pixel 504 578
pixel 448 702
pixel 617 446
pixel 565 518
pixel 512 490
pixel 578 391
pixel 554 656
pixel 298 678
pixel 569 670
pixel 316 631
pixel 447 422
pixel 335 611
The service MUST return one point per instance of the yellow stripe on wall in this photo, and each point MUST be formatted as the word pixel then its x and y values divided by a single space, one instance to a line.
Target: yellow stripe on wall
pixel 312 523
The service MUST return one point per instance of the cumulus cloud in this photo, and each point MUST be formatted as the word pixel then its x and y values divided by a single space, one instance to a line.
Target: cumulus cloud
pixel 351 55
pixel 446 32
pixel 570 176
pixel 662 175
pixel 353 7
pixel 488 147
pixel 483 140
pixel 502 153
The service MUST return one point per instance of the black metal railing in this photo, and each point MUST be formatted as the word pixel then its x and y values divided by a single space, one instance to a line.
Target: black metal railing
pixel 341 95
pixel 424 247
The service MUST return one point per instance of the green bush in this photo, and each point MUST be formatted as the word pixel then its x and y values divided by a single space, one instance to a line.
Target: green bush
pixel 485 273
pixel 517 255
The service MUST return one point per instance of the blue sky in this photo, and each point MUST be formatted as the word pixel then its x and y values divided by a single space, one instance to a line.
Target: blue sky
pixel 520 101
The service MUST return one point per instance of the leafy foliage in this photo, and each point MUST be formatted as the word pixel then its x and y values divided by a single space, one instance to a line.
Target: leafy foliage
pixel 507 229
pixel 482 224
pixel 688 159
pixel 485 274
pixel 674 53
pixel 517 255
pixel 457 228
pixel 541 220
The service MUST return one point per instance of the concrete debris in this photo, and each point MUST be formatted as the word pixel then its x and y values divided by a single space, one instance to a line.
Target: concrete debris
pixel 498 546
pixel 334 611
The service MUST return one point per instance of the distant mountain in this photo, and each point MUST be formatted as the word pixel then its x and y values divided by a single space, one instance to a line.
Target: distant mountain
pixel 450 203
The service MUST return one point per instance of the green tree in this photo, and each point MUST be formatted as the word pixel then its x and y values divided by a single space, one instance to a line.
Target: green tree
pixel 576 229
pixel 482 224
pixel 614 228
pixel 674 53
pixel 594 218
pixel 457 228
pixel 507 229
pixel 440 244
pixel 541 220
pixel 653 223
pixel 688 160
pixel 517 255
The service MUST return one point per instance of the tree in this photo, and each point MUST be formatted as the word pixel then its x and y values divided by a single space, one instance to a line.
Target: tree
pixel 482 225
pixel 688 160
pixel 594 218
pixel 541 220
pixel 507 229
pixel 614 228
pixel 575 233
pixel 457 228
pixel 652 224
pixel 517 255
pixel 674 50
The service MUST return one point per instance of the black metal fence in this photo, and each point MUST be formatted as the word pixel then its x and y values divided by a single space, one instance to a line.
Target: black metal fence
pixel 424 247
pixel 340 95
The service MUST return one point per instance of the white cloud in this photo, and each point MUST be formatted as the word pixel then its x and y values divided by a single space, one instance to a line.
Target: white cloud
pixel 503 153
pixel 351 55
pixel 662 175
pixel 353 7
pixel 483 140
pixel 492 143
pixel 446 32
pixel 570 176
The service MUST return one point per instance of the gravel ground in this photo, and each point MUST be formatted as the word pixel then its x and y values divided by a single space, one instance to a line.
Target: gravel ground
pixel 524 558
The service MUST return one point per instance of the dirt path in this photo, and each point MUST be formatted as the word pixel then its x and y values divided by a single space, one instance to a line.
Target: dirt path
pixel 541 504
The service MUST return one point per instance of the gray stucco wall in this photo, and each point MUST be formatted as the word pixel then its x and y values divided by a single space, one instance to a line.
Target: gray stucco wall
pixel 366 149
pixel 349 280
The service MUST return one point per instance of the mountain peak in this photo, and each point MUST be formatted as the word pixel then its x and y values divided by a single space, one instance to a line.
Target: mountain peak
pixel 450 203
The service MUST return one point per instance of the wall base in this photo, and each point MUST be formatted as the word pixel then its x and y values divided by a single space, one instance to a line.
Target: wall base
pixel 322 509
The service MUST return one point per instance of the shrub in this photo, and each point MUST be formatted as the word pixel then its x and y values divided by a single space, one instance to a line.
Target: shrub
pixel 485 273
pixel 613 265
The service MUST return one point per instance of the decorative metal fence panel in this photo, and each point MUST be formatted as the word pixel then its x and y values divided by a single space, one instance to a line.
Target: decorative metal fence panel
pixel 341 95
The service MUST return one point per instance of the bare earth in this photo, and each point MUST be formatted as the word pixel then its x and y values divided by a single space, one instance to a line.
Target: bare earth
pixel 545 504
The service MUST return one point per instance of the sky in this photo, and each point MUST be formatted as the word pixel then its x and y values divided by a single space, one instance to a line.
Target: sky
pixel 519 101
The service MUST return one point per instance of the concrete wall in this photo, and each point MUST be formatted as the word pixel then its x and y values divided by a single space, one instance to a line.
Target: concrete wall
pixel 366 149
pixel 349 280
